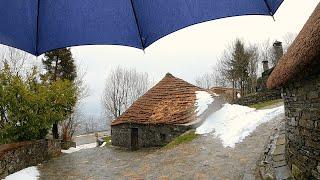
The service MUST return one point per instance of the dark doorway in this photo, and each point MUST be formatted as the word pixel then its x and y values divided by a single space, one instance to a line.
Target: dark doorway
pixel 134 139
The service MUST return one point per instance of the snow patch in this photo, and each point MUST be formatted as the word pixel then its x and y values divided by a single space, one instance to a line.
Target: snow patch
pixel 103 144
pixel 30 173
pixel 232 123
pixel 203 100
pixel 80 147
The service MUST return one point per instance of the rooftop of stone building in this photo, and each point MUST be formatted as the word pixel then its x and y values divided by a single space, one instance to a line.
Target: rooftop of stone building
pixel 171 101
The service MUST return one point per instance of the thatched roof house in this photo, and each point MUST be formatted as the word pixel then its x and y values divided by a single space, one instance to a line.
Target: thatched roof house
pixel 298 73
pixel 302 56
pixel 164 112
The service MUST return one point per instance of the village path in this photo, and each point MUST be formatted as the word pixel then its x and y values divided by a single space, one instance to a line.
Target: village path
pixel 203 158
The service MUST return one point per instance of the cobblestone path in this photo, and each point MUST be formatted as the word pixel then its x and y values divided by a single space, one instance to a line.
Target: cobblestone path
pixel 203 158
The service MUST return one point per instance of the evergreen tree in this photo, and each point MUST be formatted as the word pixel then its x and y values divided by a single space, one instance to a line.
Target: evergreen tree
pixel 60 66
pixel 239 66
pixel 241 59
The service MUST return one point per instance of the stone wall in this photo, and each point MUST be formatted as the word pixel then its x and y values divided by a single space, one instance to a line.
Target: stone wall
pixel 258 98
pixel 148 135
pixel 302 108
pixel 17 156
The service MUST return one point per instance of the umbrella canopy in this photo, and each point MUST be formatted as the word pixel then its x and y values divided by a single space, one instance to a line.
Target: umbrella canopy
pixel 38 26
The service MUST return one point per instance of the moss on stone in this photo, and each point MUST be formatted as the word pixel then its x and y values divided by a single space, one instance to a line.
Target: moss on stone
pixel 107 139
pixel 296 172
pixel 184 138
pixel 265 104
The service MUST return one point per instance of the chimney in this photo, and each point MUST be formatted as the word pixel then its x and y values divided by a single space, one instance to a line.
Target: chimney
pixel 278 50
pixel 265 65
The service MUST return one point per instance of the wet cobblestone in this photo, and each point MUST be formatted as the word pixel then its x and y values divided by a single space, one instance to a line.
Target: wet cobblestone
pixel 203 158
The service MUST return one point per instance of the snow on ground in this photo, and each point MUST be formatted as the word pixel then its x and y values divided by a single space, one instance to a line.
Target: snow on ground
pixel 30 173
pixel 233 123
pixel 80 147
pixel 103 144
pixel 203 100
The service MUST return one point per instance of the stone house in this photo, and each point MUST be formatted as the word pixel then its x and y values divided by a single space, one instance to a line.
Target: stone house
pixel 298 73
pixel 262 81
pixel 166 111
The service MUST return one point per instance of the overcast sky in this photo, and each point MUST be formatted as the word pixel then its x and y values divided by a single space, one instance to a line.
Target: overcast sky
pixel 187 53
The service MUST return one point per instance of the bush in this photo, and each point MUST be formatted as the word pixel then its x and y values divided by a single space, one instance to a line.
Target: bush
pixel 29 106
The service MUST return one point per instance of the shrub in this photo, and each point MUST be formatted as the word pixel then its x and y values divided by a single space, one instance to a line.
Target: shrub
pixel 29 106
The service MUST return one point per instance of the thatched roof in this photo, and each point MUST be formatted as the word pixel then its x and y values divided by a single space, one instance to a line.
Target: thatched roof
pixel 302 55
pixel 171 101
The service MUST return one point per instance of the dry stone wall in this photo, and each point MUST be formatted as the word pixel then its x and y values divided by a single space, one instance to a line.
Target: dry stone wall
pixel 302 108
pixel 258 98
pixel 17 156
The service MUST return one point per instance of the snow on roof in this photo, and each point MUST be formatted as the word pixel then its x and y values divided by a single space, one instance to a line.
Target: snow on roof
pixel 203 100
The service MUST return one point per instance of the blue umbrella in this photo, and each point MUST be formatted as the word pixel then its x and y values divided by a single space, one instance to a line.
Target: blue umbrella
pixel 38 26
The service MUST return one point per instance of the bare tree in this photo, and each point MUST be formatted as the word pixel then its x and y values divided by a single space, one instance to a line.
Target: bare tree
pixel 205 81
pixel 123 87
pixel 267 52
pixel 71 124
pixel 16 59
pixel 288 40
pixel 218 75
pixel 253 68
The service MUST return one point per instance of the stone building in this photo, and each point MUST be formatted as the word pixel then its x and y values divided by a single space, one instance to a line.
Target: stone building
pixel 298 73
pixel 166 111
pixel 262 81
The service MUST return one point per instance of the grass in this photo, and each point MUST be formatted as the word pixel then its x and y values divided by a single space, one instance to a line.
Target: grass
pixel 184 138
pixel 107 139
pixel 265 104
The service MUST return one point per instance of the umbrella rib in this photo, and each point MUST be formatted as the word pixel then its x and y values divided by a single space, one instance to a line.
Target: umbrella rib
pixel 266 3
pixel 37 35
pixel 137 23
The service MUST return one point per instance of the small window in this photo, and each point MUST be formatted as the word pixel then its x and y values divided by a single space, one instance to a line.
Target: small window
pixel 163 137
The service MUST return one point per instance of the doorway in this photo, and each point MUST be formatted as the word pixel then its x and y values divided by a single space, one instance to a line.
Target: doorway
pixel 134 139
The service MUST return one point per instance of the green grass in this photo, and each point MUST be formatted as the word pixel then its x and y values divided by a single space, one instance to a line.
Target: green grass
pixel 107 139
pixel 184 138
pixel 265 104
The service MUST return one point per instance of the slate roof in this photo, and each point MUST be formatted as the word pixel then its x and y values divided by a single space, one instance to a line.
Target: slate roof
pixel 302 56
pixel 171 101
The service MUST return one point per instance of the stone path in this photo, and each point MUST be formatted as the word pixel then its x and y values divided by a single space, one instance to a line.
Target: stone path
pixel 272 162
pixel 203 158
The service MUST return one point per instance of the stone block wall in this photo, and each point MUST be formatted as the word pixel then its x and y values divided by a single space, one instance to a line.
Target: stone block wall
pixel 302 109
pixel 258 98
pixel 148 135
pixel 17 156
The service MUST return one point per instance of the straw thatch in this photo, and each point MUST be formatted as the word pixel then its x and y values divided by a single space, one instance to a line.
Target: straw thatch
pixel 171 101
pixel 303 55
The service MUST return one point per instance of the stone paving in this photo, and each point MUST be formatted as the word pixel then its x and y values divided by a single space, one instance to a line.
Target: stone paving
pixel 272 164
pixel 203 158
